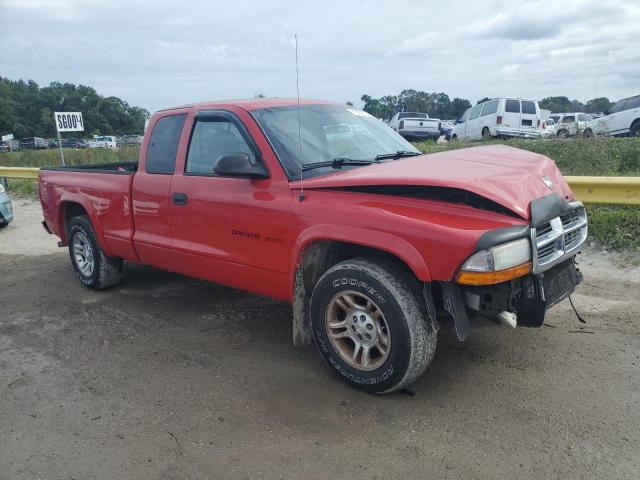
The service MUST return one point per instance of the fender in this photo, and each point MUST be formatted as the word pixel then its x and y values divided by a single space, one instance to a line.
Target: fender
pixel 67 198
pixel 361 236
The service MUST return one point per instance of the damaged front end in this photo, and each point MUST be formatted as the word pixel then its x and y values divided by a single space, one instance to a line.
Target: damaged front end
pixel 518 273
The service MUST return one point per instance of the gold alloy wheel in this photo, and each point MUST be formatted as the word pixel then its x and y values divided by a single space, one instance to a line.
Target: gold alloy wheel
pixel 358 330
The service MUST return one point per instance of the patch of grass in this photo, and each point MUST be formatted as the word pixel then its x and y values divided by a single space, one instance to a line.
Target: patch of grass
pixel 45 158
pixel 615 227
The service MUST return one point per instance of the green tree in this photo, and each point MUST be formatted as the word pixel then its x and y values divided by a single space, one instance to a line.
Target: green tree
pixel 600 104
pixel 27 110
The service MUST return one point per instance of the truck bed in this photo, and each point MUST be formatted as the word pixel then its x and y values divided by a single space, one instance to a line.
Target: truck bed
pixel 103 190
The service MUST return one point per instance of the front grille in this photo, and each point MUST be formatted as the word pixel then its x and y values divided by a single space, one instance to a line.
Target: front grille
pixel 559 238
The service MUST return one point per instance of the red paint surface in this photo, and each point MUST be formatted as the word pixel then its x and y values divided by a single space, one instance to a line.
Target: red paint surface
pixel 249 234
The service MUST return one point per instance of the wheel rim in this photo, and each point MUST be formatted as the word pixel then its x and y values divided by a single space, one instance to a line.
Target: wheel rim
pixel 358 331
pixel 83 254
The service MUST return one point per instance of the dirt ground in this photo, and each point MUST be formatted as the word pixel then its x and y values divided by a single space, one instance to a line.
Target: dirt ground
pixel 168 377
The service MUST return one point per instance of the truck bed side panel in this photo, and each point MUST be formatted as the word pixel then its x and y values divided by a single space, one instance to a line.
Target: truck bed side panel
pixel 105 196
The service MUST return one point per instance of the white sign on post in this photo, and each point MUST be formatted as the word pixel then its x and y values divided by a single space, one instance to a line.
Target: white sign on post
pixel 7 137
pixel 69 121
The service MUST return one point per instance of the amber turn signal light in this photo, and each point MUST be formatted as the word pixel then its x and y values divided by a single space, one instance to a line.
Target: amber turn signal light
pixel 491 278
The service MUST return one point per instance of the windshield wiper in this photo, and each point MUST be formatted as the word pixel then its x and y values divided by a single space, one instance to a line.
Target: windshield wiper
pixel 336 163
pixel 398 154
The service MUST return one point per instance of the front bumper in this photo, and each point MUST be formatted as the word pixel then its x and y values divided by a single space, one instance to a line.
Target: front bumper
pixel 558 229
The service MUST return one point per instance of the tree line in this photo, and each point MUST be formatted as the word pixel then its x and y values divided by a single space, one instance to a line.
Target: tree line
pixel 439 105
pixel 26 110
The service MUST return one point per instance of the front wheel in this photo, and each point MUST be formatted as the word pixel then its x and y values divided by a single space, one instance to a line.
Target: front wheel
pixel 563 133
pixel 369 323
pixel 94 269
pixel 588 133
pixel 634 131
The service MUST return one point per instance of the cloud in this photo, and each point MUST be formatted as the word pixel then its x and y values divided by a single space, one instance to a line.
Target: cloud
pixel 160 53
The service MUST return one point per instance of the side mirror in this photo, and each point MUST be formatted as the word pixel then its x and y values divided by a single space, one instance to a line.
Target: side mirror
pixel 239 165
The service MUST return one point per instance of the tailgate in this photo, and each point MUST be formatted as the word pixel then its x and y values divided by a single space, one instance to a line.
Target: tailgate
pixel 422 124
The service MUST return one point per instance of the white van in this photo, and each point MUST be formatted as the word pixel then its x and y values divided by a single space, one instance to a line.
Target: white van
pixel 500 117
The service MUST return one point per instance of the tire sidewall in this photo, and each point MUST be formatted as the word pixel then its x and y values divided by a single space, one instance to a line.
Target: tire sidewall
pixel 80 225
pixel 395 367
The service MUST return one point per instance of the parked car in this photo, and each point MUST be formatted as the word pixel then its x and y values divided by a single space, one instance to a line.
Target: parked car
pixel 75 143
pixel 415 125
pixel 10 146
pixel 548 128
pixel 500 117
pixel 621 120
pixel 6 209
pixel 129 140
pixel 105 141
pixel 33 143
pixel 446 127
pixel 363 234
pixel 569 124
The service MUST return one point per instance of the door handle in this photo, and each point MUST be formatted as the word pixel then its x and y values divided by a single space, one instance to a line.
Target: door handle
pixel 179 198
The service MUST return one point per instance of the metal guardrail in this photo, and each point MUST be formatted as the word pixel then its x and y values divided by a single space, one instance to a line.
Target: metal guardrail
pixel 18 172
pixel 589 190
pixel 606 190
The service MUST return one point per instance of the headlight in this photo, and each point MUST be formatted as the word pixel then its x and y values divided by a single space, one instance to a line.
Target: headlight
pixel 497 264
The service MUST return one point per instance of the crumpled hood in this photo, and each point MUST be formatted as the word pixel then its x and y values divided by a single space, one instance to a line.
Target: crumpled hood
pixel 507 175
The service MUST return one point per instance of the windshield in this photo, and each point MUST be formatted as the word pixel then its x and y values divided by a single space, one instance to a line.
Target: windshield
pixel 327 132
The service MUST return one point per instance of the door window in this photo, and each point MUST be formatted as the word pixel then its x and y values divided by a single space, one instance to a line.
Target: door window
pixel 512 106
pixel 633 102
pixel 163 144
pixel 568 119
pixel 212 139
pixel 475 112
pixel 490 107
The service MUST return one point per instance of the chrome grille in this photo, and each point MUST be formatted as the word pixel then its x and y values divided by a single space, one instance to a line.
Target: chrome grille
pixel 559 238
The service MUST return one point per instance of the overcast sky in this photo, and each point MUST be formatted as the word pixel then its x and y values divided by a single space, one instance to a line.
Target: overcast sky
pixel 163 53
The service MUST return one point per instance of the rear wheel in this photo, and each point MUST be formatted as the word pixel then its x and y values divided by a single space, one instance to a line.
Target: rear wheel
pixel 563 133
pixel 94 269
pixel 634 131
pixel 486 134
pixel 588 133
pixel 369 323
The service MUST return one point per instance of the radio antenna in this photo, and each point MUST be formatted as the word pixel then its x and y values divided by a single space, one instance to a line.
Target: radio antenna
pixel 301 196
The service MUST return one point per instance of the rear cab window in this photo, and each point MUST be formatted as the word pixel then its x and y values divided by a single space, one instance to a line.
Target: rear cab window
pixel 411 115
pixel 163 144
pixel 512 106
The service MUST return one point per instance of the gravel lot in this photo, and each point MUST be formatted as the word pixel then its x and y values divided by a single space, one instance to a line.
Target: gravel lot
pixel 168 377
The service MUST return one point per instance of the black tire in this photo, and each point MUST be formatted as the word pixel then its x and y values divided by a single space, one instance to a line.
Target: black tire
pixel 486 133
pixel 397 295
pixel 454 137
pixel 563 133
pixel 588 133
pixel 3 225
pixel 634 131
pixel 105 272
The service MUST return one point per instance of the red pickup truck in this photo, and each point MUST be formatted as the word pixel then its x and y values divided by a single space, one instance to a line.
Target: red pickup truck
pixel 328 208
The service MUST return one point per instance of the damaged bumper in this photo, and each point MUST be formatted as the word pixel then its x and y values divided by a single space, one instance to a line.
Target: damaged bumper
pixel 558 230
